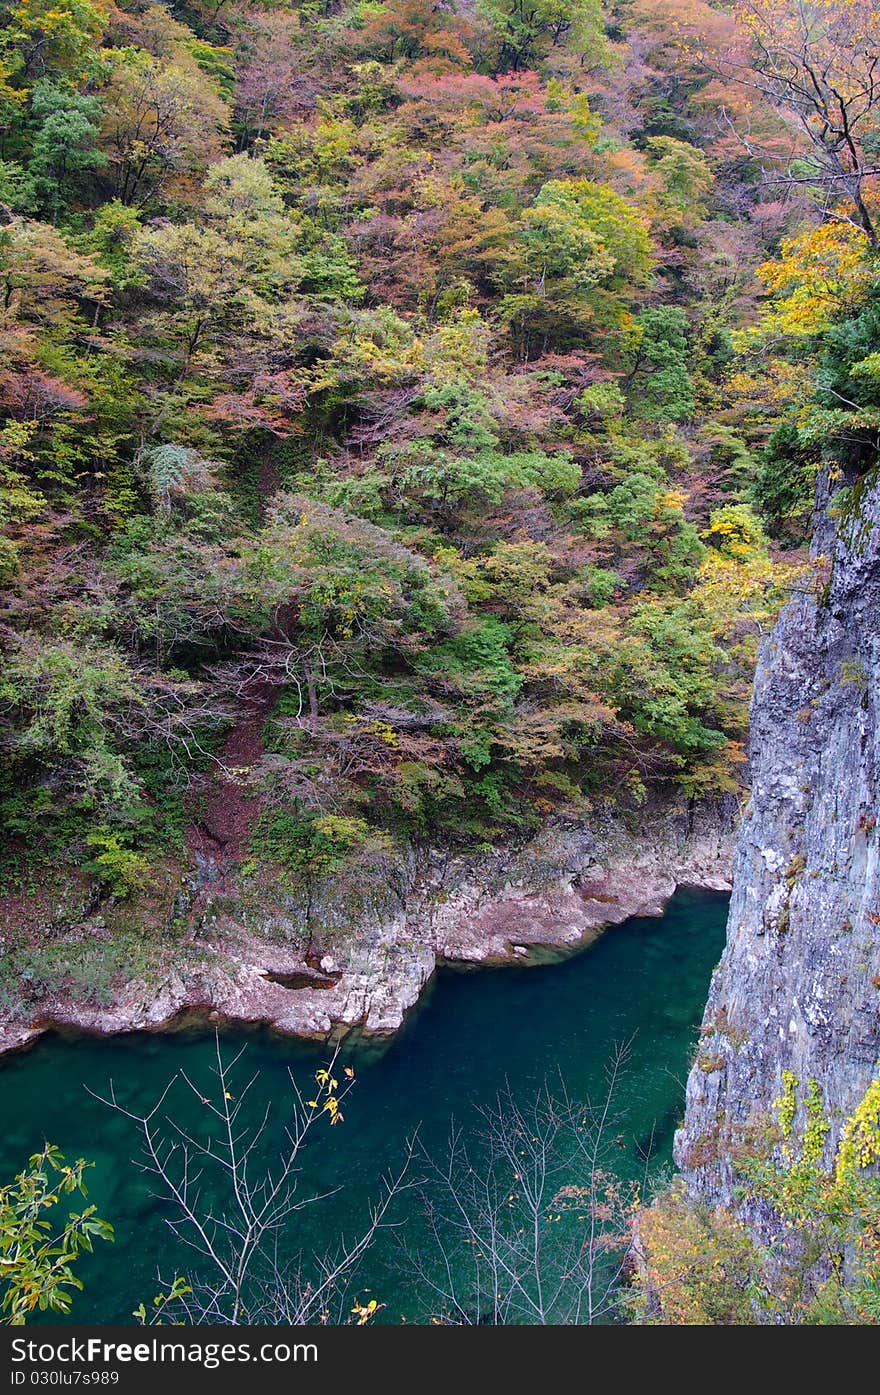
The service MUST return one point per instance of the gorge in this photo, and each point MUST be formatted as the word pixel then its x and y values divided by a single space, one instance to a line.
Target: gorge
pixel 439 532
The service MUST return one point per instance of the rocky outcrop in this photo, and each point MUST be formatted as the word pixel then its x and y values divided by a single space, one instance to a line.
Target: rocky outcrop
pixel 797 988
pixel 357 951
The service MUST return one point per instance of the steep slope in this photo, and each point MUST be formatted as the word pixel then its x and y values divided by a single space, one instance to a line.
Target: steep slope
pixel 797 987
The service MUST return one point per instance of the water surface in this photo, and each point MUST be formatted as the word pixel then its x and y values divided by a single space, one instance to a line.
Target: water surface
pixel 644 982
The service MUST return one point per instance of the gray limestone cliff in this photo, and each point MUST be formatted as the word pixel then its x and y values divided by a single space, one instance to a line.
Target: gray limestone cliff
pixel 797 987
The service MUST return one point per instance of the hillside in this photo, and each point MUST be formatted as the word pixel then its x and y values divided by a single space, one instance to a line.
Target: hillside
pixel 372 475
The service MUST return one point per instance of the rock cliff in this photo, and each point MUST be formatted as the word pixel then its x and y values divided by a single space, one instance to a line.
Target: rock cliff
pixel 797 987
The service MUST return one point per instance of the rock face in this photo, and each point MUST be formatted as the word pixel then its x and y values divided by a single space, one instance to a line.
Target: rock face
pixel 356 952
pixel 797 987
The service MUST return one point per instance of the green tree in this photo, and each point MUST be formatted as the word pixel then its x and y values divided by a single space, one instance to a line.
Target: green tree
pixel 685 173
pixel 658 378
pixel 784 485
pixel 218 282
pixel 65 145
pixel 665 675
pixel 70 708
pixel 561 239
pixel 43 37
pixel 43 281
pixel 591 220
pixel 526 29
pixel 38 1254
pixel 586 252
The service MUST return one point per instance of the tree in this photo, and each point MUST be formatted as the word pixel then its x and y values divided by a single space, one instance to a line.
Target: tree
pixel 538 1230
pixel 526 29
pixel 241 200
pixel 233 1208
pixel 75 717
pixel 43 281
pixel 220 283
pixel 658 379
pixel 460 464
pixel 810 368
pixel 664 676
pixel 784 486
pixel 817 62
pixel 50 38
pixel 65 710
pixel 429 36
pixel 274 80
pixel 175 473
pixel 37 1256
pixel 159 122
pixel 64 148
pixel 587 249
pixel 562 240
pixel 685 174
pixel 602 218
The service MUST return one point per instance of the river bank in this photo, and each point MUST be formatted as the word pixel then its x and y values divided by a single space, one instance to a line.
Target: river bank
pixel 356 950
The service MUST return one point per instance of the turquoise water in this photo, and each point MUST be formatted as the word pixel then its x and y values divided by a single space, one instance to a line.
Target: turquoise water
pixel 643 982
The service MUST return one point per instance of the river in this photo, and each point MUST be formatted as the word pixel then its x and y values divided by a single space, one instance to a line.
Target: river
pixel 644 982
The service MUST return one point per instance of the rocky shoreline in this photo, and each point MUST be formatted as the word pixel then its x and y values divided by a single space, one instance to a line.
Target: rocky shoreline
pixel 356 953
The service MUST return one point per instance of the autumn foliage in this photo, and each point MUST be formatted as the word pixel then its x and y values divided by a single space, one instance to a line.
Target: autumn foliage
pixel 384 396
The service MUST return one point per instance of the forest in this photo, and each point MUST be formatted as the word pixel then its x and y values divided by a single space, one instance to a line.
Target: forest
pixel 411 419
pixel 389 382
